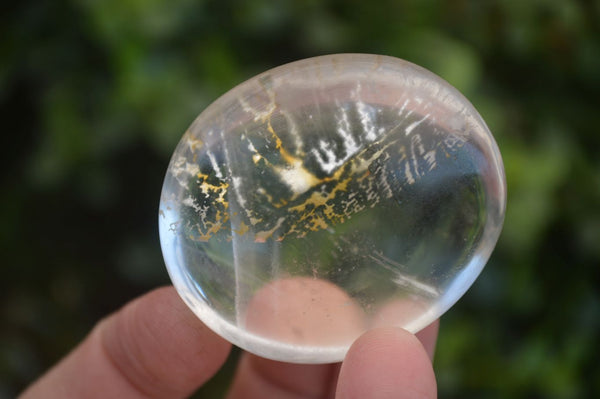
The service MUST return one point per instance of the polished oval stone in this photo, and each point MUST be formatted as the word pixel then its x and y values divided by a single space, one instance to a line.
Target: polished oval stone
pixel 326 197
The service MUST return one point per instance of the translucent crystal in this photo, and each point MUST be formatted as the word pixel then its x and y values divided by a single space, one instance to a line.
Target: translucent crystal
pixel 327 197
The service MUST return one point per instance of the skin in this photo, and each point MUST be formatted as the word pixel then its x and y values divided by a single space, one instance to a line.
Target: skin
pixel 155 347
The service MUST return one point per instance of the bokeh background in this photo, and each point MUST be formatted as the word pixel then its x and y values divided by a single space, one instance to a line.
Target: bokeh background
pixel 94 96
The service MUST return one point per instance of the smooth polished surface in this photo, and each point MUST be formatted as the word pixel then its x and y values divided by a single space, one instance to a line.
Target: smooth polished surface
pixel 326 197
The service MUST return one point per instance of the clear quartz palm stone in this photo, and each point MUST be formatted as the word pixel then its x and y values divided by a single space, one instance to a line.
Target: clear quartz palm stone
pixel 327 197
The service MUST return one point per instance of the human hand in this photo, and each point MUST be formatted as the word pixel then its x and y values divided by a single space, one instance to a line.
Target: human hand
pixel 155 347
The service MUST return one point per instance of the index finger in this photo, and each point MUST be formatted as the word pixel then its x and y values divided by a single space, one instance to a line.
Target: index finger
pixel 153 347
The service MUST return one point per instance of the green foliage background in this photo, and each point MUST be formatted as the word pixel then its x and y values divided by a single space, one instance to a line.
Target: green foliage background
pixel 95 95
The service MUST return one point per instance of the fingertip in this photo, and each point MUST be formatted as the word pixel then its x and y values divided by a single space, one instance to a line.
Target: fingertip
pixel 428 337
pixel 387 363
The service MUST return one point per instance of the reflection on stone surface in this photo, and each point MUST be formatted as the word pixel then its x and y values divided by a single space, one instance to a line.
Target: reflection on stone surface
pixel 305 311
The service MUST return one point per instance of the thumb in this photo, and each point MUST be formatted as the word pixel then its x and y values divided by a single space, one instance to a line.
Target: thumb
pixel 387 363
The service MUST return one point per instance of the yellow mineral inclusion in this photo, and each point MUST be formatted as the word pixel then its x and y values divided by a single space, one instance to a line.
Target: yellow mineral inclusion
pixel 254 221
pixel 318 224
pixel 364 176
pixel 280 203
pixel 192 142
pixel 319 199
pixel 243 229
pixel 262 236
pixel 300 180
pixel 290 159
pixel 295 175
pixel 220 188
pixel 210 227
